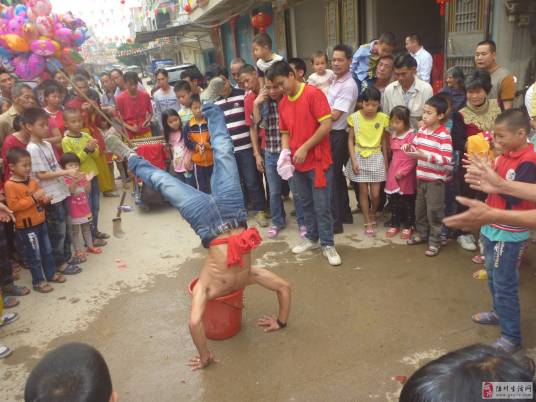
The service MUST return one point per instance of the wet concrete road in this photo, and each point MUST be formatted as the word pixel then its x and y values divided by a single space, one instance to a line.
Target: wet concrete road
pixel 384 312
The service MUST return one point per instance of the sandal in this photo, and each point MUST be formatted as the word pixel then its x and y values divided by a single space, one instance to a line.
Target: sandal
pixel 392 232
pixel 8 318
pixel 432 251
pixel 94 250
pixel 70 270
pixel 506 345
pixel 43 287
pixel 99 242
pixel 102 235
pixel 58 278
pixel 14 290
pixel 486 318
pixel 79 258
pixel 406 234
pixel 369 231
pixel 479 259
pixel 10 302
pixel 4 351
pixel 480 274
pixel 416 239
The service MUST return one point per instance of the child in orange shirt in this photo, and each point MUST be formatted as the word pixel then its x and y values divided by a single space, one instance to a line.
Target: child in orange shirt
pixel 27 200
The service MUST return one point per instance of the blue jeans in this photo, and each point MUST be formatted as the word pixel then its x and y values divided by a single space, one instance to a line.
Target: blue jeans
pixel 188 180
pixel 275 182
pixel 316 203
pixel 57 215
pixel 208 214
pixel 248 170
pixel 37 252
pixel 203 175
pixel 297 203
pixel 94 205
pixel 502 263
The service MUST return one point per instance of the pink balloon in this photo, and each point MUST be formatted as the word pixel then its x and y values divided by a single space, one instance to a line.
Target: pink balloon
pixel 64 35
pixel 44 25
pixel 43 47
pixel 15 25
pixel 28 68
pixel 40 7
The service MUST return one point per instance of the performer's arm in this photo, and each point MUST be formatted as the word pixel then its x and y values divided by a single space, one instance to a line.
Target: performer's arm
pixel 199 301
pixel 271 281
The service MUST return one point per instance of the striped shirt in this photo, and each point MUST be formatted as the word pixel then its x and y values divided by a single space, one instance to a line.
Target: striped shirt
pixel 437 145
pixel 235 119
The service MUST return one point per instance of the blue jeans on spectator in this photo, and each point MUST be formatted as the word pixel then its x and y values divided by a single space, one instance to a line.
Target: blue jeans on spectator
pixel 190 179
pixel 300 218
pixel 275 182
pixel 502 263
pixel 57 220
pixel 37 252
pixel 248 170
pixel 202 176
pixel 94 205
pixel 208 214
pixel 316 203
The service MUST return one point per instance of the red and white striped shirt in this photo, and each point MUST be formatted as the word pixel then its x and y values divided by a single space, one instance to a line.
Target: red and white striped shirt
pixel 437 145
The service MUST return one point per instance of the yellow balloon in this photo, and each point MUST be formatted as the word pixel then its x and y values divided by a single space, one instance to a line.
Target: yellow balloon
pixel 16 43
pixel 57 53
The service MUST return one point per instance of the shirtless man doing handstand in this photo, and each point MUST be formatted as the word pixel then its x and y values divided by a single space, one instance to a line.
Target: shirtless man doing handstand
pixel 219 219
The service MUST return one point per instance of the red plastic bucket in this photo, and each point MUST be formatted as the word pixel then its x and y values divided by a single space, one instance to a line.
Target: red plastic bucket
pixel 223 315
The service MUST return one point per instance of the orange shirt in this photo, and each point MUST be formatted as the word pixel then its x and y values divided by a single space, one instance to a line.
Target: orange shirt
pixel 28 212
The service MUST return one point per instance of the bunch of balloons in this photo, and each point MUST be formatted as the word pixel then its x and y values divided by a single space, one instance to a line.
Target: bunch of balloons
pixel 34 42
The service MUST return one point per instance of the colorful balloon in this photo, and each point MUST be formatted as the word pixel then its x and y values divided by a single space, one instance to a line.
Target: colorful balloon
pixel 29 31
pixel 28 68
pixel 64 35
pixel 16 43
pixel 20 10
pixel 5 53
pixel 43 47
pixel 40 8
pixel 15 25
pixel 53 65
pixel 3 26
pixel 44 25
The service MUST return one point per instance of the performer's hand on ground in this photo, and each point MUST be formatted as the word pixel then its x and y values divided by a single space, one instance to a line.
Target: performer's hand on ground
pixel 269 323
pixel 197 363
pixel 477 215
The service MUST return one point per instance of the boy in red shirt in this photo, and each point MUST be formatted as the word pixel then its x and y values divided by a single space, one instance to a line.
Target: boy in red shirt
pixel 134 107
pixel 305 123
pixel 504 244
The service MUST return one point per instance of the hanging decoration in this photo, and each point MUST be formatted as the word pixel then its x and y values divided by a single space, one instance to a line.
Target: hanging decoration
pixel 33 39
pixel 442 5
pixel 261 21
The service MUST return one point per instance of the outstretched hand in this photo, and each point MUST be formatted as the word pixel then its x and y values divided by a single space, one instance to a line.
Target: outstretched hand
pixel 269 323
pixel 476 216
pixel 481 176
pixel 196 363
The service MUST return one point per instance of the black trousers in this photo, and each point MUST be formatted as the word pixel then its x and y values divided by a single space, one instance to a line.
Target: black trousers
pixel 402 210
pixel 6 275
pixel 340 203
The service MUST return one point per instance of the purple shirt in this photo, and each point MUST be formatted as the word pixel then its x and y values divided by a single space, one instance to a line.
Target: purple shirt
pixel 342 96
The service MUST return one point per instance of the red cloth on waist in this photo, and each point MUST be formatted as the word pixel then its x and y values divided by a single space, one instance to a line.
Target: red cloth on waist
pixel 239 244
pixel 154 153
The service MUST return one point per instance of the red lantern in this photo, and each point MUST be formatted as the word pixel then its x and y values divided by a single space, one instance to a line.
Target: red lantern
pixel 187 7
pixel 261 21
pixel 442 4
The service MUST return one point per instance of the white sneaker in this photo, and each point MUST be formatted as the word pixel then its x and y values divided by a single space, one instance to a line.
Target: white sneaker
pixel 330 252
pixel 467 242
pixel 305 245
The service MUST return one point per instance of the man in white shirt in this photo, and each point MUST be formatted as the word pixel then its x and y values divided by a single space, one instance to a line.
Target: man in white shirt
pixel 342 97
pixel 419 53
pixel 407 90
